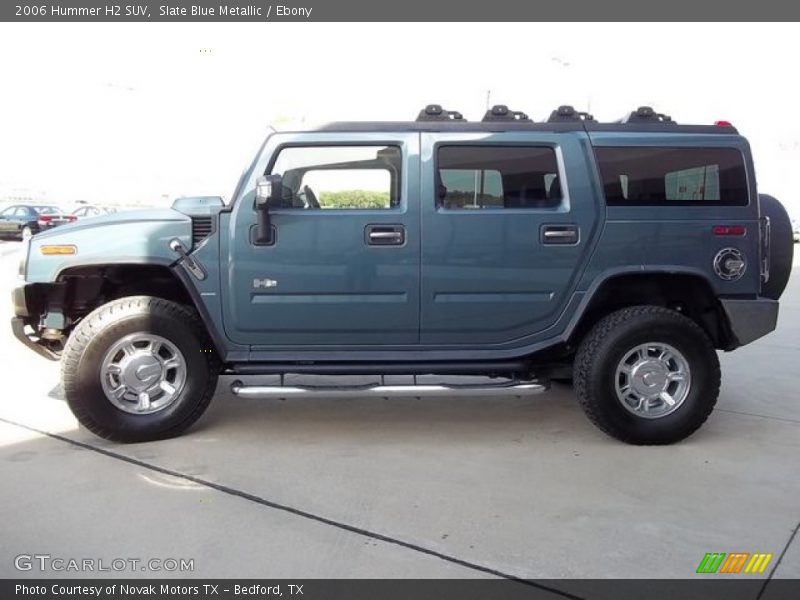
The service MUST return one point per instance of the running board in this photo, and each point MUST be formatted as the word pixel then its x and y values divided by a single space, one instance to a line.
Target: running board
pixel 386 391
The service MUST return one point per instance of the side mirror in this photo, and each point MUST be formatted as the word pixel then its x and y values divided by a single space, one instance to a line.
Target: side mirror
pixel 269 190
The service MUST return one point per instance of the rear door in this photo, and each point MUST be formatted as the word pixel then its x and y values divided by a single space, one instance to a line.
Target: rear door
pixel 508 221
pixel 344 266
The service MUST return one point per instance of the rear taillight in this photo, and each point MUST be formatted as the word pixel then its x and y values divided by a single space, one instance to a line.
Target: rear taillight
pixel 723 123
pixel 71 218
pixel 733 230
pixel 44 220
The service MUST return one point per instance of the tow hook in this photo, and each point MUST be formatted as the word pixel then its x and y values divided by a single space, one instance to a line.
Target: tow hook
pixel 188 261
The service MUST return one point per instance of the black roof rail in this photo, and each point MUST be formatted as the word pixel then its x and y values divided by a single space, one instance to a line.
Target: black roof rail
pixel 646 114
pixel 567 113
pixel 500 112
pixel 434 112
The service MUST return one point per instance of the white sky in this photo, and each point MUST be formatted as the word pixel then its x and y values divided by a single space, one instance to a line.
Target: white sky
pixel 124 112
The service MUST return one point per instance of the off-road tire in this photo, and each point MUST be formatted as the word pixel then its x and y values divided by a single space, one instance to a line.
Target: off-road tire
pixel 601 351
pixel 98 331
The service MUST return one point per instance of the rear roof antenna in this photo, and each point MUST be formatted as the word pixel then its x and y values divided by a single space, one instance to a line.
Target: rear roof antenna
pixel 434 112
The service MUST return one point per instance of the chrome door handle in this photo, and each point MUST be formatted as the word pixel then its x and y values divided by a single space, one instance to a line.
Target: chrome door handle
pixel 385 235
pixel 559 234
pixel 567 234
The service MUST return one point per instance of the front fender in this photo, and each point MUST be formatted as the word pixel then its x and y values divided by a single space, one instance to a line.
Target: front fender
pixel 135 237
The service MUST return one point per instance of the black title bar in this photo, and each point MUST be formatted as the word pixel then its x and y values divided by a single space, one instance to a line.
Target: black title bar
pixel 400 10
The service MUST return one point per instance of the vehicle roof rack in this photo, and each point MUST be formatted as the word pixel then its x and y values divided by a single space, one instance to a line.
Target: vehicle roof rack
pixel 646 114
pixel 500 112
pixel 566 114
pixel 434 112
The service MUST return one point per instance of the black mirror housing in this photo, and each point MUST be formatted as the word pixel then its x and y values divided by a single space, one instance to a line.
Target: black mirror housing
pixel 269 191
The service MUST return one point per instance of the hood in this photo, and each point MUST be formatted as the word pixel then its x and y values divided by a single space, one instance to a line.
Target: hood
pixel 119 218
pixel 135 237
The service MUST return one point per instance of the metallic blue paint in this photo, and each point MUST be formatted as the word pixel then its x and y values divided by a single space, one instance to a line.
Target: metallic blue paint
pixel 464 285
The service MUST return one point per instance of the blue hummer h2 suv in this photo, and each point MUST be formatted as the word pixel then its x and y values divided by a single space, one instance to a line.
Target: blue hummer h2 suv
pixel 440 257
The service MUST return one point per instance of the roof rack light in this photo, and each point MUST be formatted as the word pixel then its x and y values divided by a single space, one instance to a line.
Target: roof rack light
pixel 566 113
pixel 434 112
pixel 646 114
pixel 500 112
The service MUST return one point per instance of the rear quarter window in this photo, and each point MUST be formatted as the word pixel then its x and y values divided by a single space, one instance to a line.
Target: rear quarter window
pixel 658 176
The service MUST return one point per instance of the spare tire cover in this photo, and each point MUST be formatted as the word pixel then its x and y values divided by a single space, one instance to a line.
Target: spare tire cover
pixel 781 246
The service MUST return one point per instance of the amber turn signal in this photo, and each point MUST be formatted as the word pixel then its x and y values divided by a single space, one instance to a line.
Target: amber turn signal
pixel 58 250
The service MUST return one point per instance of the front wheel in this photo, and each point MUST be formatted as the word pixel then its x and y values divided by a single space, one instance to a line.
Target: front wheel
pixel 647 375
pixel 138 369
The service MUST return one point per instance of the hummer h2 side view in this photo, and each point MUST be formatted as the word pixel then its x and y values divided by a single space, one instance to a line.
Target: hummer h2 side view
pixel 425 253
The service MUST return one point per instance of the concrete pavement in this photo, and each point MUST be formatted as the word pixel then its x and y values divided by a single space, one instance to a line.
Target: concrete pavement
pixel 409 488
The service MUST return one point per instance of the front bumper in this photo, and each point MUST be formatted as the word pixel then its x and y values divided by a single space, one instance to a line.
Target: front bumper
pixel 750 319
pixel 35 344
pixel 19 320
pixel 19 302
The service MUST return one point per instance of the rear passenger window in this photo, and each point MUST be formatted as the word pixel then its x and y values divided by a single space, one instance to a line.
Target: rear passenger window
pixel 476 177
pixel 673 176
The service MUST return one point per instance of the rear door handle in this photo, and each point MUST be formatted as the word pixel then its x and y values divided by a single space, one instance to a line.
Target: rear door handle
pixel 385 235
pixel 561 234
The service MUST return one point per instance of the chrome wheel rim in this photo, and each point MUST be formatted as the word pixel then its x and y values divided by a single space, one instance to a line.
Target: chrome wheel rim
pixel 26 233
pixel 653 380
pixel 143 373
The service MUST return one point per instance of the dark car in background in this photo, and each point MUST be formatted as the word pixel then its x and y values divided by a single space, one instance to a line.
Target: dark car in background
pixel 21 221
pixel 91 210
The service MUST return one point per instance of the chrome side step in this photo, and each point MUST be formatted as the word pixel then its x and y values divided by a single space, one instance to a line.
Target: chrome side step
pixel 386 391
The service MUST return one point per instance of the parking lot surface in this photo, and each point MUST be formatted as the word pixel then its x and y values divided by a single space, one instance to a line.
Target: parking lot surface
pixel 519 487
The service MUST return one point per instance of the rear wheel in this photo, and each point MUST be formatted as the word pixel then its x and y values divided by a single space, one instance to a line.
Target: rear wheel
pixel 26 233
pixel 647 375
pixel 139 368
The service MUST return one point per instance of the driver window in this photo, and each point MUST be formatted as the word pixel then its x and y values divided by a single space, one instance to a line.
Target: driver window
pixel 339 177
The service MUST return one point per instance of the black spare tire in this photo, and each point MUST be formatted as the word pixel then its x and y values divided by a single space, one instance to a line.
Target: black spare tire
pixel 781 246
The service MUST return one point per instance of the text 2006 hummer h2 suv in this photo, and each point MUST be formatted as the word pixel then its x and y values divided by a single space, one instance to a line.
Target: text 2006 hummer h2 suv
pixel 424 254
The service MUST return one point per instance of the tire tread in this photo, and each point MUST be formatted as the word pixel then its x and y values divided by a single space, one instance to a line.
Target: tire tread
pixel 590 348
pixel 115 311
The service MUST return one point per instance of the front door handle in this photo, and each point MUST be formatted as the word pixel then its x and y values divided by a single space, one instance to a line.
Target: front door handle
pixel 385 235
pixel 561 234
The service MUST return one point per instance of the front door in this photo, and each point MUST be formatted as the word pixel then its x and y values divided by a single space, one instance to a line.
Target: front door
pixel 343 266
pixel 507 221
